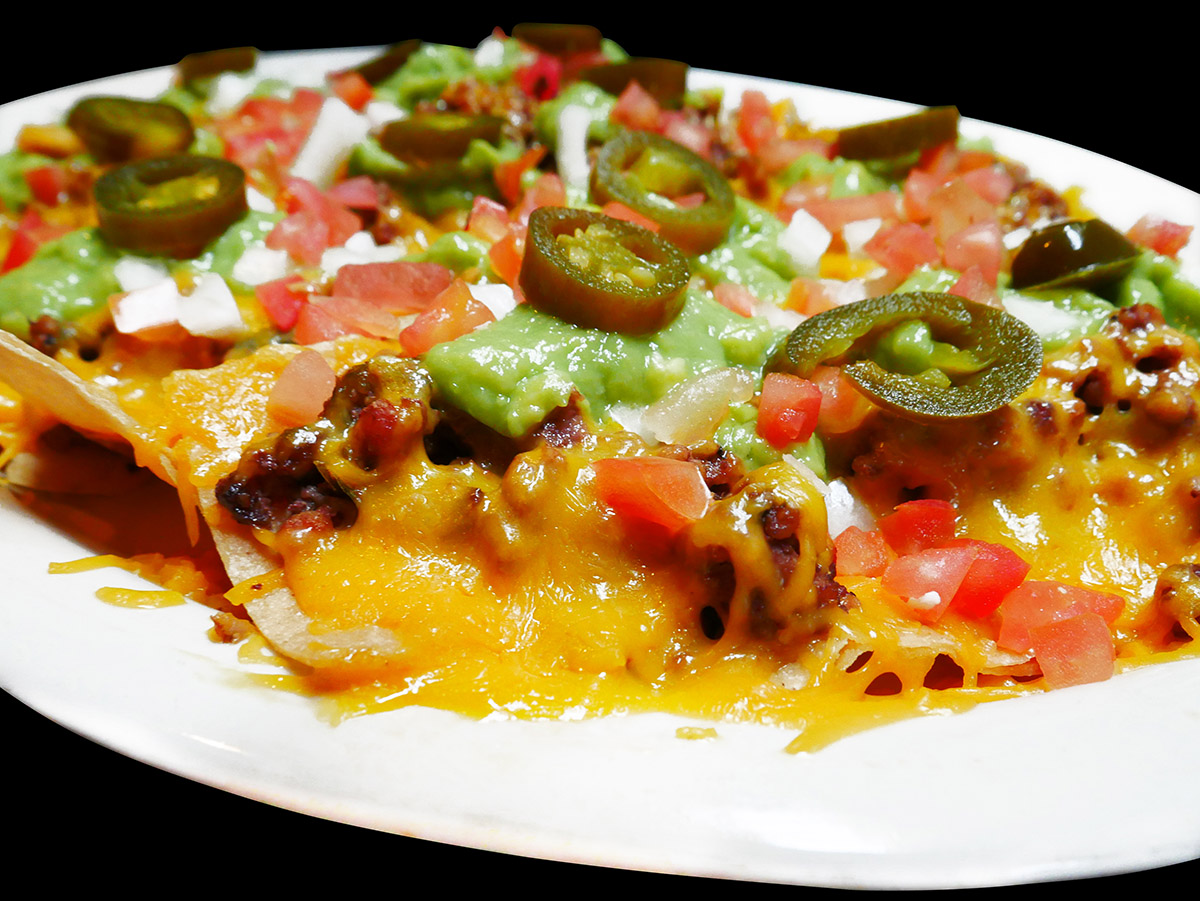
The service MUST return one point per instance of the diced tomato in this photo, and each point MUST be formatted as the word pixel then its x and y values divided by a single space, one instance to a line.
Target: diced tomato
pixel 636 108
pixel 843 406
pixel 973 286
pixel 541 78
pixel 548 190
pixel 508 175
pixel 955 206
pixel 668 492
pixel 755 126
pixel 836 214
pixel 778 153
pixel 488 219
pixel 315 224
pixel 809 296
pixel 916 525
pixel 978 246
pixel 506 256
pixel 990 182
pixel 1159 235
pixel 695 136
pixel 354 90
pixel 620 211
pixel 358 193
pixel 47 183
pixel 282 300
pixel 32 232
pixel 305 384
pixel 265 133
pixel 940 161
pixel 903 247
pixel 861 553
pixel 1036 603
pixel 1074 651
pixel 359 317
pixel 735 297
pixel 787 409
pixel 452 314
pixel 398 287
pixel 917 189
pixel 304 236
pixel 997 570
pixel 315 324
pixel 929 579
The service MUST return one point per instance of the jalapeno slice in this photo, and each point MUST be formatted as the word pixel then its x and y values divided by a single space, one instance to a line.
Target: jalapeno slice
pixel 120 129
pixel 195 66
pixel 599 272
pixel 558 39
pixel 379 68
pixel 979 357
pixel 646 171
pixel 664 79
pixel 437 137
pixel 893 138
pixel 171 206
pixel 1084 253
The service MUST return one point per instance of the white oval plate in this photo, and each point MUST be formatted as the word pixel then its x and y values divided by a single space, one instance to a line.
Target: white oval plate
pixel 1087 781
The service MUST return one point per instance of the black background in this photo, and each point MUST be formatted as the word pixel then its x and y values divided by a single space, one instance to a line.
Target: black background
pixel 1117 91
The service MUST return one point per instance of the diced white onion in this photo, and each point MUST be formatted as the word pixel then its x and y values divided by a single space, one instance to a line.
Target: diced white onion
pixel 337 129
pixel 498 298
pixel 228 91
pixel 804 240
pixel 258 201
pixel 133 273
pixel 147 307
pixel 843 510
pixel 490 52
pixel 381 112
pixel 210 310
pixel 692 410
pixel 856 234
pixel 571 151
pixel 779 317
pixel 260 264
pixel 630 419
pixel 1040 315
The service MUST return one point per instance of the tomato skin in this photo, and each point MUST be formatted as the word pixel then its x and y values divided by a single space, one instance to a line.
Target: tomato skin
pixel 659 490
pixel 1035 603
pixel 977 246
pixel 315 324
pixel 997 570
pixel 48 184
pixel 787 409
pixel 861 553
pixel 917 525
pixel 1074 651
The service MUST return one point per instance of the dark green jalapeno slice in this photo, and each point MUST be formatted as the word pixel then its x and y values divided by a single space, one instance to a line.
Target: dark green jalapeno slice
pixel 195 66
pixel 435 137
pixel 1077 253
pixel 380 67
pixel 647 173
pixel 893 138
pixel 171 206
pixel 664 79
pixel 923 355
pixel 599 272
pixel 120 129
pixel 558 40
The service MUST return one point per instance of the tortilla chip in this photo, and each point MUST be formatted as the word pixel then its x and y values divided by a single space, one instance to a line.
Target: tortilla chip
pixel 89 409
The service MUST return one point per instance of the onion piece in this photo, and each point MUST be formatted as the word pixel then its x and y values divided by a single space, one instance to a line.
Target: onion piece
pixel 692 410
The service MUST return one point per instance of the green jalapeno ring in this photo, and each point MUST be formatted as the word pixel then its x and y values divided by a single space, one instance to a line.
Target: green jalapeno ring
pixel 121 129
pixel 695 229
pixel 557 39
pixel 586 295
pixel 1084 253
pixel 171 206
pixel 1009 353
pixel 195 66
pixel 381 67
pixel 664 79
pixel 891 138
pixel 434 137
